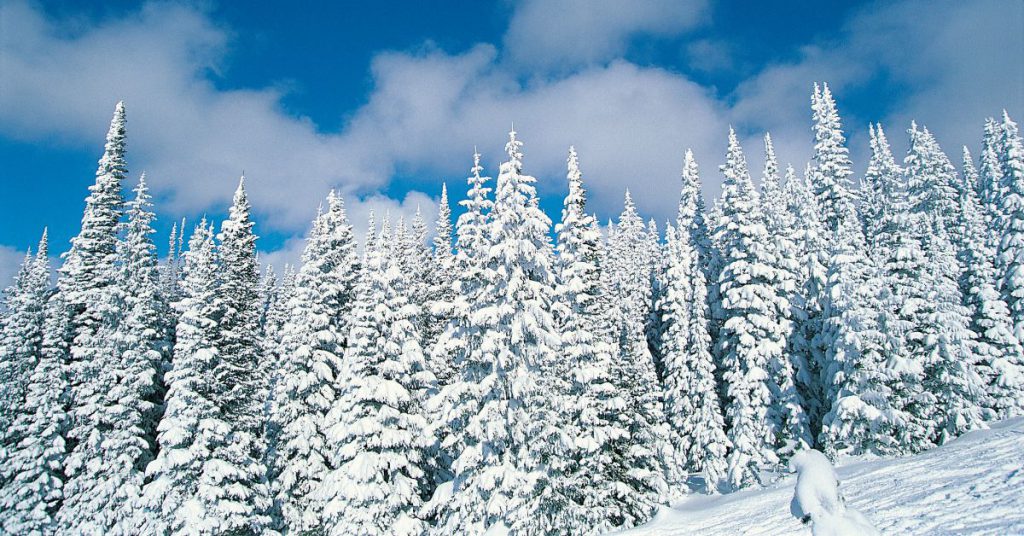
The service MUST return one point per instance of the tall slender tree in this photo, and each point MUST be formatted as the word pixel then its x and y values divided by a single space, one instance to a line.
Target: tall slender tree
pixel 755 313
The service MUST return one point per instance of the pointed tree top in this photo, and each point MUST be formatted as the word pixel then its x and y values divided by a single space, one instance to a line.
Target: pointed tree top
pixel 514 149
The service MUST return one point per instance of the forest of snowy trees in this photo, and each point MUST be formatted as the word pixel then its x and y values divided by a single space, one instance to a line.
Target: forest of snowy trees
pixel 510 375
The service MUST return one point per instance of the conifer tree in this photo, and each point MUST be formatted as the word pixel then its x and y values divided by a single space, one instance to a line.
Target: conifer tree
pixel 233 484
pixel 21 352
pixel 598 501
pixel 999 354
pixel 440 292
pixel 805 344
pixel 1010 257
pixel 691 399
pixel 499 479
pixel 788 414
pixel 860 417
pixel 462 334
pixel 832 168
pixel 106 449
pixel 313 341
pixel 380 447
pixel 191 426
pixel 755 321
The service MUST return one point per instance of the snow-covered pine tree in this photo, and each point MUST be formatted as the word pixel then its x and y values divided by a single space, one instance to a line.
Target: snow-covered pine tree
pixel 501 472
pixel 755 321
pixel 788 414
pixel 191 426
pixel 170 272
pixel 999 354
pixel 832 167
pixel 31 500
pixel 451 407
pixel 990 182
pixel 805 343
pixel 950 363
pixel 106 451
pixel 599 501
pixel 629 278
pixel 440 291
pixel 145 333
pixel 21 346
pixel 379 442
pixel 860 416
pixel 233 484
pixel 1010 256
pixel 691 398
pixel 312 344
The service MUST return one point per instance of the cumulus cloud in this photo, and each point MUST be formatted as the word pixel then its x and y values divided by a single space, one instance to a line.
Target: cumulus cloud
pixel 945 64
pixel 10 262
pixel 567 33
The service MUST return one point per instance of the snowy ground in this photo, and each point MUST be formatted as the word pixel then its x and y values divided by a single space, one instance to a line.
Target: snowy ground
pixel 973 485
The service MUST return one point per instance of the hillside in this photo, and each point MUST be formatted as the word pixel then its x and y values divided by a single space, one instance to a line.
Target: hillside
pixel 973 485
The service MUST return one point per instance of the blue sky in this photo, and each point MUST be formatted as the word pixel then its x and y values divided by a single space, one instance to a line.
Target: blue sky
pixel 386 100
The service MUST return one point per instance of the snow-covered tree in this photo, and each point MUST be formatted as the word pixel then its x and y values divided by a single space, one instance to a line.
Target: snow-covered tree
pixel 191 424
pixel 107 449
pixel 233 484
pixel 462 334
pixel 21 353
pixel 756 323
pixel 1010 225
pixel 999 354
pixel 832 167
pixel 35 465
pixel 313 341
pixel 378 440
pixel 440 292
pixel 500 473
pixel 860 416
pixel 792 427
pixel 805 344
pixel 599 500
pixel 145 334
pixel 691 399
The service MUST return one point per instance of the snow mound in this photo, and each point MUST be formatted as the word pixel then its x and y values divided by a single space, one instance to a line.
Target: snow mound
pixel 972 485
pixel 817 501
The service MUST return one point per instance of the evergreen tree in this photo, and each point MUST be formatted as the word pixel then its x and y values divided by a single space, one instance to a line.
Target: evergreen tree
pixel 21 352
pixel 313 341
pixel 861 416
pixel 599 501
pixel 999 353
pixel 1010 257
pixel 691 399
pixel 831 173
pixel 792 428
pixel 499 476
pixel 144 336
pixel 191 426
pixel 107 447
pixel 753 333
pixel 453 405
pixel 440 292
pixel 805 344
pixel 233 483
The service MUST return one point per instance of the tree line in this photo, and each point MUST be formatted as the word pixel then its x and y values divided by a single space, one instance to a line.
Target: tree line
pixel 496 379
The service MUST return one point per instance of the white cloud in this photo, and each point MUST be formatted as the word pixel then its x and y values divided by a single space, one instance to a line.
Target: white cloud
pixel 567 33
pixel 11 260
pixel 947 63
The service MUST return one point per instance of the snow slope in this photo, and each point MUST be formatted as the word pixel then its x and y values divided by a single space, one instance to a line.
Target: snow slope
pixel 973 485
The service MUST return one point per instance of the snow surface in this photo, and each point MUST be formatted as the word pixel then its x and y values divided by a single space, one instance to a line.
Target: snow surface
pixel 972 485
